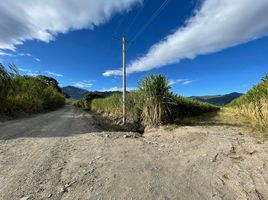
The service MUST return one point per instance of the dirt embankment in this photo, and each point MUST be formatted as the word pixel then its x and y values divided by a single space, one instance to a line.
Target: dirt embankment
pixel 62 155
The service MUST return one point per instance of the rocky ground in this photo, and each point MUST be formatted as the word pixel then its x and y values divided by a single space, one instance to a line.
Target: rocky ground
pixel 62 155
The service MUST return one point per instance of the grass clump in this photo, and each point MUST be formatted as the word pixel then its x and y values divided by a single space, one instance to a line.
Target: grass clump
pixel 28 94
pixel 152 104
pixel 156 100
pixel 253 105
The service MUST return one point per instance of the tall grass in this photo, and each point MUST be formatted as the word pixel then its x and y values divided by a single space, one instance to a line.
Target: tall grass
pixel 27 94
pixel 152 104
pixel 254 104
pixel 113 106
pixel 156 100
pixel 186 107
pixel 86 101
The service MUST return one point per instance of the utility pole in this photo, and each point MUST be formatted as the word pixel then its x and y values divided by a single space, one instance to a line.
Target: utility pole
pixel 124 78
pixel 124 49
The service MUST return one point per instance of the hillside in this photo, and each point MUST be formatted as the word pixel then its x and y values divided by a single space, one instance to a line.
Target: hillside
pixel 78 93
pixel 219 100
pixel 74 92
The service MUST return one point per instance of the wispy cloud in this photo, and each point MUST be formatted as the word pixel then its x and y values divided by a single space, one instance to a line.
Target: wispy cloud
pixel 33 74
pixel 216 26
pixel 29 72
pixel 25 54
pixel 180 81
pixel 5 54
pixel 54 74
pixel 44 20
pixel 28 55
pixel 114 89
pixel 24 70
pixel 83 84
pixel 186 82
pixel 174 82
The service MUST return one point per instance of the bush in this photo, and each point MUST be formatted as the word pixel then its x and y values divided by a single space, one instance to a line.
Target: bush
pixel 86 101
pixel 28 94
pixel 76 103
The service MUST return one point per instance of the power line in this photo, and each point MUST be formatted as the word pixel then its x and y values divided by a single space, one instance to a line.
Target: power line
pixel 155 14
pixel 136 17
pixel 119 24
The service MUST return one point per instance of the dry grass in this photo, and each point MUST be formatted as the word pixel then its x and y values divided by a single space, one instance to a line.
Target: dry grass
pixel 253 105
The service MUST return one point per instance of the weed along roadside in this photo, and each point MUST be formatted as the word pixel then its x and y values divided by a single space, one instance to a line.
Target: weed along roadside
pixel 151 105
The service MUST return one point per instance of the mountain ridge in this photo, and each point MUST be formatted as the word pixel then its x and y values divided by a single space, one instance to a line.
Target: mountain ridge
pixel 78 93
pixel 218 100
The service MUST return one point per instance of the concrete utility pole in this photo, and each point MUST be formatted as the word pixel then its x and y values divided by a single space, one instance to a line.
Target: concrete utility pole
pixel 124 44
pixel 124 78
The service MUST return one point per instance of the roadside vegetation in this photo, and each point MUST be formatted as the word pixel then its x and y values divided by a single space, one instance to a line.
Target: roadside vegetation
pixel 152 104
pixel 27 94
pixel 253 105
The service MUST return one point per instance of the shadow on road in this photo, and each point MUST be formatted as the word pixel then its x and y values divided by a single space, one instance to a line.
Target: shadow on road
pixel 65 122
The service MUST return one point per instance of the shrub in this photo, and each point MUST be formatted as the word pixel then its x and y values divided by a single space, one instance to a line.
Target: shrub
pixel 76 103
pixel 86 101
pixel 28 94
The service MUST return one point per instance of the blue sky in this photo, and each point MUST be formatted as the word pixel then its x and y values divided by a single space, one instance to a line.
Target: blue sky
pixel 233 59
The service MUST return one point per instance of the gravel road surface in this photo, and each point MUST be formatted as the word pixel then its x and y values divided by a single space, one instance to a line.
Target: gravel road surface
pixel 63 155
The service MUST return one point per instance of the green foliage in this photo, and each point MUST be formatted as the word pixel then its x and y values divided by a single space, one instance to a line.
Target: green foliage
pixel 113 105
pixel 86 101
pixel 254 104
pixel 156 100
pixel 152 104
pixel 186 107
pixel 76 103
pixel 28 94
pixel 6 85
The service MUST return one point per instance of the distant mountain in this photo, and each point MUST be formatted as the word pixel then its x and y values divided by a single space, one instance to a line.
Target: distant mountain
pixel 78 93
pixel 74 92
pixel 219 100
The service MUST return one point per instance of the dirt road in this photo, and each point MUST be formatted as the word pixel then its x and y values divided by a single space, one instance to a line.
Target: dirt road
pixel 62 155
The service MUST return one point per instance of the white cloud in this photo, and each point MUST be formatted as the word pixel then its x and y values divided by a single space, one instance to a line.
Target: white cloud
pixel 43 20
pixel 33 74
pixel 83 84
pixel 174 82
pixel 29 72
pixel 28 55
pixel 24 70
pixel 180 81
pixel 25 54
pixel 114 89
pixel 5 54
pixel 216 26
pixel 54 74
pixel 186 82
